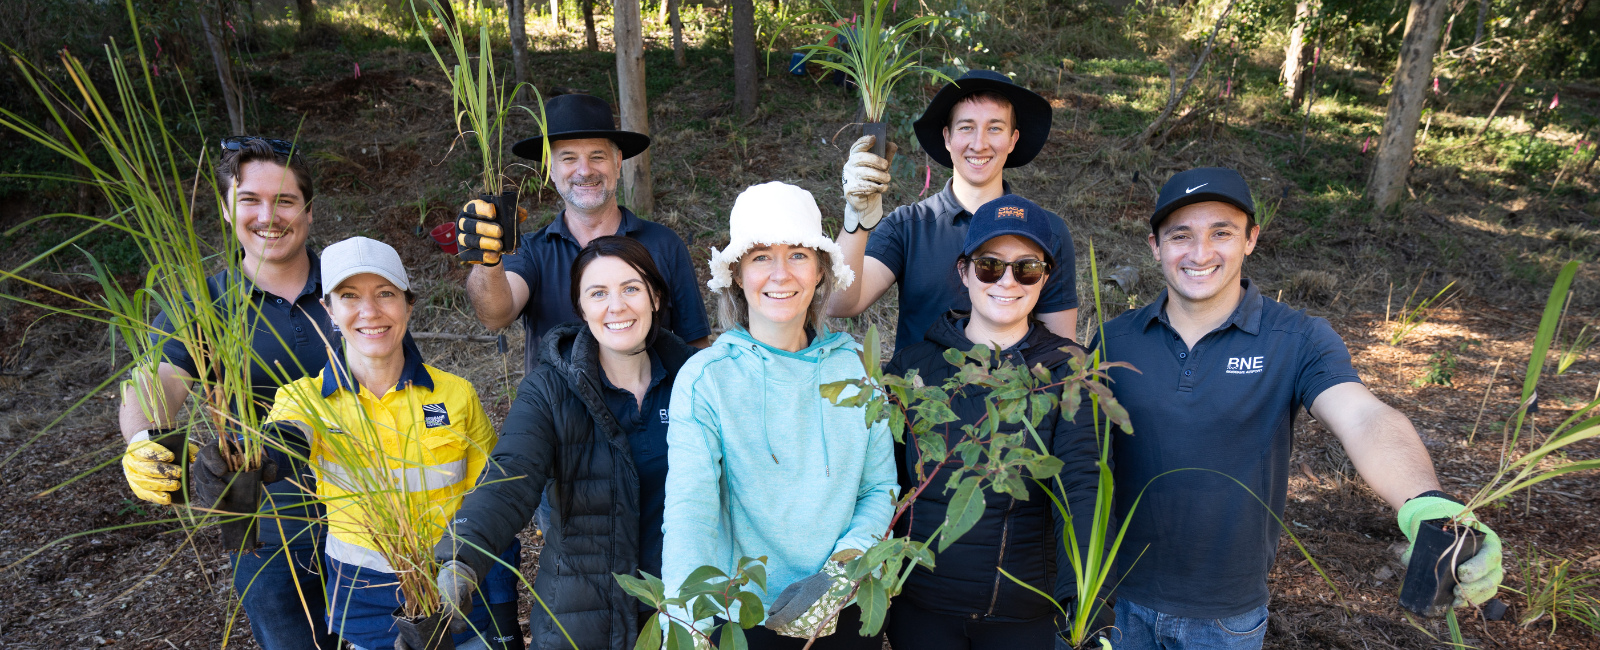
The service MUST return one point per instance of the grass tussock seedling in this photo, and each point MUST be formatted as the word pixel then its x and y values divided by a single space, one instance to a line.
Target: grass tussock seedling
pixel 874 54
pixel 1557 587
pixel 1412 317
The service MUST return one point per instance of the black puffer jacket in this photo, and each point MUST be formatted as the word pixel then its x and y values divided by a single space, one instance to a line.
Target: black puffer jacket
pixel 1018 535
pixel 560 430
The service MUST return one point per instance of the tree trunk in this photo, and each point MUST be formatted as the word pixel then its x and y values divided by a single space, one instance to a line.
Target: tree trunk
pixel 555 14
pixel 628 34
pixel 588 26
pixel 308 15
pixel 1410 89
pixel 1297 54
pixel 744 57
pixel 1483 12
pixel 219 56
pixel 679 56
pixel 517 10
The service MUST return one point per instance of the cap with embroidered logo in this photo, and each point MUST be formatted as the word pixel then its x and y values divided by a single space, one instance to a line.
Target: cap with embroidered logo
pixel 1198 186
pixel 1011 215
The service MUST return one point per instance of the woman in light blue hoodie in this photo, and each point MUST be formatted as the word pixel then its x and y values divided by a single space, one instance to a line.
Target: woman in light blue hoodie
pixel 761 464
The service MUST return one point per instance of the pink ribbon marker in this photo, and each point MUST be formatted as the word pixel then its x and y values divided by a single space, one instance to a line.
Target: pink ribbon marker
pixel 1435 85
pixel 1364 144
pixel 1555 101
pixel 229 23
pixel 358 70
pixel 927 178
pixel 158 46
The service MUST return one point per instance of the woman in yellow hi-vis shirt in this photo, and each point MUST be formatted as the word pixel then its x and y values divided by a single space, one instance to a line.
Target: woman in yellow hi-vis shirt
pixel 395 444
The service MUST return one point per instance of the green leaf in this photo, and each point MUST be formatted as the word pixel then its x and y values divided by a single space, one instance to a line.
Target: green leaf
pixel 650 635
pixel 638 588
pixel 965 508
pixel 679 637
pixel 704 608
pixel 732 638
pixel 870 348
pixel 873 599
pixel 832 390
pixel 758 573
pixel 751 611
pixel 954 357
pixel 1547 327
pixel 704 573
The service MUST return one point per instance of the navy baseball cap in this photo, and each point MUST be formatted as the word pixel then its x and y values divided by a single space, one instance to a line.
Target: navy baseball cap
pixel 1200 185
pixel 1011 215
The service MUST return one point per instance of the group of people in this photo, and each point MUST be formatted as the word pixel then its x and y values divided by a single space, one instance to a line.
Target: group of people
pixel 638 442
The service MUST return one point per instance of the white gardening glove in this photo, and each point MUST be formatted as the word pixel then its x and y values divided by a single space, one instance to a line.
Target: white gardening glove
pixel 866 177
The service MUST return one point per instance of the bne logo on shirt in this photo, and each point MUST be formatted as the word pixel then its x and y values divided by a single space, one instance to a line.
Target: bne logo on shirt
pixel 1246 365
pixel 664 418
pixel 435 415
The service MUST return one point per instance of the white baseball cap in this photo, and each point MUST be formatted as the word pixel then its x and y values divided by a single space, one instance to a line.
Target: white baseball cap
pixel 358 255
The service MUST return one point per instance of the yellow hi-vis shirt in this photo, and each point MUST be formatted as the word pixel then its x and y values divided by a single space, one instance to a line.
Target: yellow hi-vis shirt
pixel 418 449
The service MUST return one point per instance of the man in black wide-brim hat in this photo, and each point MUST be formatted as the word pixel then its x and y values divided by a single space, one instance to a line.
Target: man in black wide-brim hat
pixel 586 154
pixel 979 126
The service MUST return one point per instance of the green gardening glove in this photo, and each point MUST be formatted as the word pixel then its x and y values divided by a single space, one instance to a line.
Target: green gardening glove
pixel 1478 578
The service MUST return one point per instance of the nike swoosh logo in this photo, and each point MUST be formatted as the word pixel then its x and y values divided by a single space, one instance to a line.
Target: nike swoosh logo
pixel 1195 188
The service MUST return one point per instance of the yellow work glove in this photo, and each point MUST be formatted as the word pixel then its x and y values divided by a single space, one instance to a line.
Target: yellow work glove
pixel 152 470
pixel 487 229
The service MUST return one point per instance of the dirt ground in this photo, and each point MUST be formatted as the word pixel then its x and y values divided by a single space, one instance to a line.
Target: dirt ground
pixel 380 141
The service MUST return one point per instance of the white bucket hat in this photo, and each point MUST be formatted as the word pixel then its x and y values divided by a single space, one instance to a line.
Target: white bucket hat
pixel 775 213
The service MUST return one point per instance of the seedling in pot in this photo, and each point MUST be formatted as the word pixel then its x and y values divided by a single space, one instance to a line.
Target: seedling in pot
pixel 1432 572
pixel 874 55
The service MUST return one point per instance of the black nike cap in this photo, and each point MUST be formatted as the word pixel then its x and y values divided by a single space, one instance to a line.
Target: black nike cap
pixel 1198 186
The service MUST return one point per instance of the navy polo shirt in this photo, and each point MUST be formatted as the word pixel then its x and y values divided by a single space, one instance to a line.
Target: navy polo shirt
pixel 646 426
pixel 920 244
pixel 1198 545
pixel 544 261
pixel 284 335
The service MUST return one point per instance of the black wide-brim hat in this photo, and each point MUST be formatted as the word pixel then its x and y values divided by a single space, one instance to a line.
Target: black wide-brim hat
pixel 1032 115
pixel 577 117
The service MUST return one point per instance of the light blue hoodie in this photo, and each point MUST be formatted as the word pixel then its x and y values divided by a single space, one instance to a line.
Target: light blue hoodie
pixel 761 464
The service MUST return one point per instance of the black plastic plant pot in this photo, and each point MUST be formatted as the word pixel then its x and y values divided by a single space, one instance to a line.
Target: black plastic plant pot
pixel 879 130
pixel 240 533
pixel 506 214
pixel 426 633
pixel 1430 583
pixel 178 443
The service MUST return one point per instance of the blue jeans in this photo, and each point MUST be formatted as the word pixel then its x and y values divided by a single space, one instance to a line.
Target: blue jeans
pixel 281 590
pixel 1142 628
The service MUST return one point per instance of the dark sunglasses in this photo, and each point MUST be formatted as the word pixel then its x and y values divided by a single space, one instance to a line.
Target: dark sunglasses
pixel 1026 272
pixel 237 142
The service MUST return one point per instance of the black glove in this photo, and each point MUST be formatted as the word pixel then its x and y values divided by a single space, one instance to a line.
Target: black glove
pixel 488 227
pixel 210 477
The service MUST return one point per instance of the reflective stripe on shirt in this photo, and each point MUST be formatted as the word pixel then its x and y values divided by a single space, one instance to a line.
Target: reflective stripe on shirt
pixel 350 553
pixel 408 479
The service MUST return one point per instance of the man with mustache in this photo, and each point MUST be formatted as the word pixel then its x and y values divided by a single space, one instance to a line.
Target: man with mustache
pixel 586 154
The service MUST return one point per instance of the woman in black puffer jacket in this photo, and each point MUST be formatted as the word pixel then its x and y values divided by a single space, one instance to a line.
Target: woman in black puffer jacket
pixel 592 421
pixel 965 603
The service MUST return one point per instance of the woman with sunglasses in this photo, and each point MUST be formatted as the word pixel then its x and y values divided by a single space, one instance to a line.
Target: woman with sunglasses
pixel 965 603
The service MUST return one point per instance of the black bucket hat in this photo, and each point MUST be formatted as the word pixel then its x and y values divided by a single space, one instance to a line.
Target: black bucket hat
pixel 1032 114
pixel 576 117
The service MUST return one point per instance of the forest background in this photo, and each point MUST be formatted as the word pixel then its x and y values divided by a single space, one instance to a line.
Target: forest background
pixel 1482 191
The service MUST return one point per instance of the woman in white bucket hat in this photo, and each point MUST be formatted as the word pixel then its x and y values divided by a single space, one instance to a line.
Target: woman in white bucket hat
pixel 760 463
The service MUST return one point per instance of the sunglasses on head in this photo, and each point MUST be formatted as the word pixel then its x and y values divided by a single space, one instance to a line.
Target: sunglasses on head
pixel 989 270
pixel 237 142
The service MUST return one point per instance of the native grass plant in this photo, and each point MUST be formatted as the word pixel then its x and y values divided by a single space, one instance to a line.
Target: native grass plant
pixel 1558 587
pixel 155 191
pixel 1574 351
pixel 875 55
pixel 1412 317
pixel 480 102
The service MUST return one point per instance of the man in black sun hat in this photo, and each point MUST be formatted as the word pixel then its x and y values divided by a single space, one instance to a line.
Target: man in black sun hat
pixel 978 126
pixel 586 154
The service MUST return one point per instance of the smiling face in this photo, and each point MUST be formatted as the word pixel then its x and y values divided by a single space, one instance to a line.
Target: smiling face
pixel 1201 249
pixel 1006 303
pixel 981 134
pixel 617 305
pixel 586 172
pixel 269 214
pixel 779 282
pixel 372 314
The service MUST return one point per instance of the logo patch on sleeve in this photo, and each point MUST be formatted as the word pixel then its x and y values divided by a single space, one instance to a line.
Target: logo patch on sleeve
pixel 435 415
